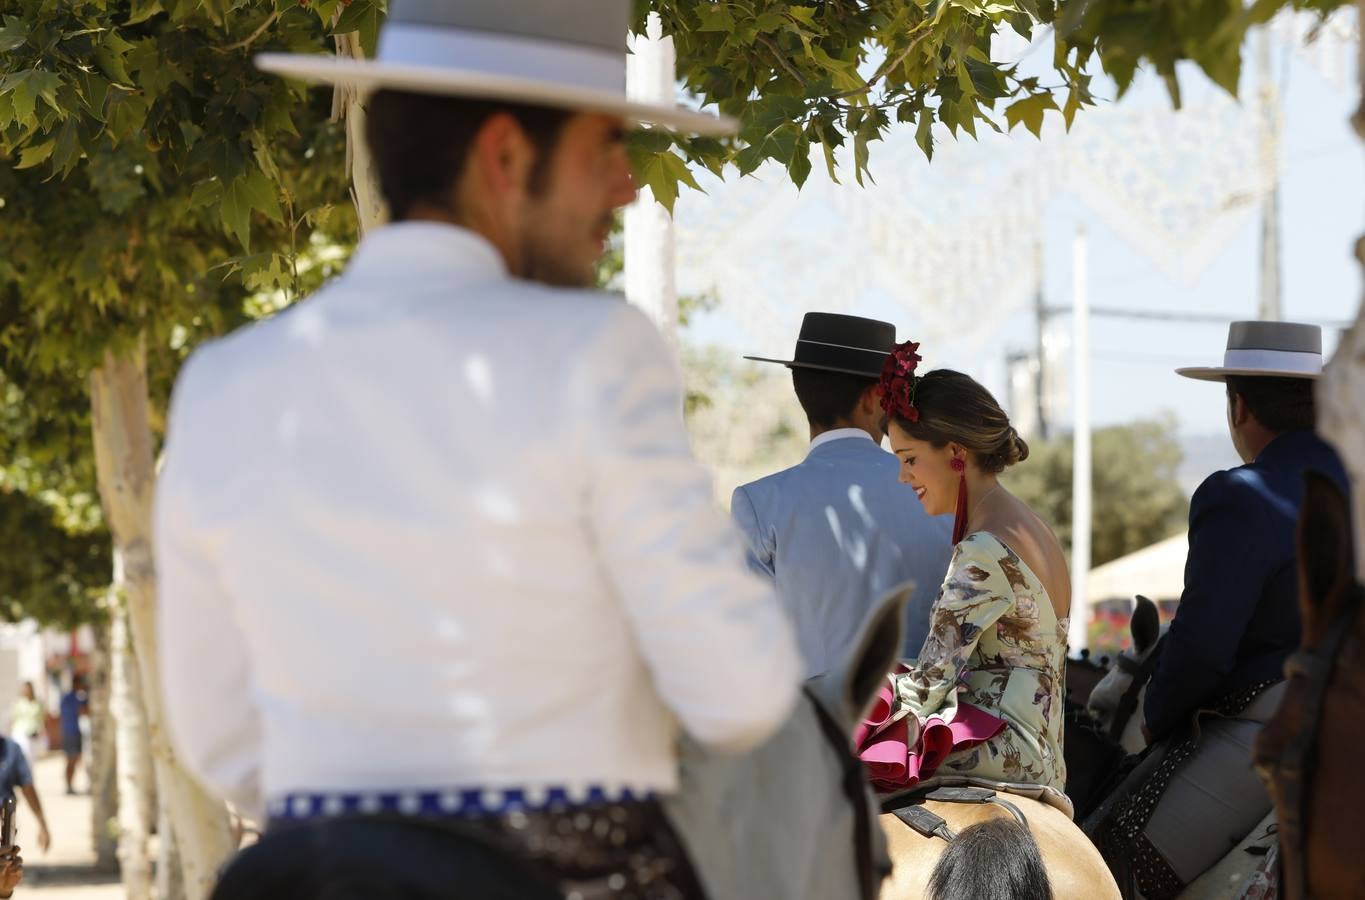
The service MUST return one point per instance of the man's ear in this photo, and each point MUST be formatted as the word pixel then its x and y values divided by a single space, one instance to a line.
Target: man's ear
pixel 502 154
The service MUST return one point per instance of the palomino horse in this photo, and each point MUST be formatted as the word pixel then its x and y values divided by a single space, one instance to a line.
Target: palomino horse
pixel 1309 752
pixel 991 856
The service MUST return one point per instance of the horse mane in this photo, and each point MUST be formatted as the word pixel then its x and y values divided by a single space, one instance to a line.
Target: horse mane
pixel 993 860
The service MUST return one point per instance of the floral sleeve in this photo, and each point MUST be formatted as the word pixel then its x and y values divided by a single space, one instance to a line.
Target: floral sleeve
pixel 975 594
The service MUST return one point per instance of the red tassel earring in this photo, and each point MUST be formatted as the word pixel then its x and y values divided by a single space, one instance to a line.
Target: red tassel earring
pixel 960 520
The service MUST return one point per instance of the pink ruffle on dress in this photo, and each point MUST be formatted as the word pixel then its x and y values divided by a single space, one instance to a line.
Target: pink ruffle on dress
pixel 900 752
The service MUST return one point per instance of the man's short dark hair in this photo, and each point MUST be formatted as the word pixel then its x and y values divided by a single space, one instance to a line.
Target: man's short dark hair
pixel 1279 404
pixel 828 397
pixel 420 143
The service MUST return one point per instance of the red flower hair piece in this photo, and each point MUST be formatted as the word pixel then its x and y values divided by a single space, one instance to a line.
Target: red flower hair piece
pixel 898 381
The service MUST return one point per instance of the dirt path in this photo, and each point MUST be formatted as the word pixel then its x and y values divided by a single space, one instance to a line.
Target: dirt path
pixel 67 871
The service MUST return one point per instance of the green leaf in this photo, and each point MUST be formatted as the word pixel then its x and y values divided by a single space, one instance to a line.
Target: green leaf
pixel 67 152
pixel 661 173
pixel 365 17
pixel 13 34
pixel 924 133
pixel 799 167
pixel 34 154
pixel 715 17
pixel 1030 110
pixel 143 10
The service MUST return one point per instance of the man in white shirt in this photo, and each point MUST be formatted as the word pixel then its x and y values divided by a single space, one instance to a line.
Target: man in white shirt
pixel 837 530
pixel 433 547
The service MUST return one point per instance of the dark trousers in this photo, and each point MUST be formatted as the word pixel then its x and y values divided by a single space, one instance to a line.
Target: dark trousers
pixel 367 858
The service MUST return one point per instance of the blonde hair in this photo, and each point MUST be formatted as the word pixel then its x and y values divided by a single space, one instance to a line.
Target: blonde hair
pixel 954 408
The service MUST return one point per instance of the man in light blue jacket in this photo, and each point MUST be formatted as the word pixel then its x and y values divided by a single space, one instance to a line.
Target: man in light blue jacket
pixel 838 529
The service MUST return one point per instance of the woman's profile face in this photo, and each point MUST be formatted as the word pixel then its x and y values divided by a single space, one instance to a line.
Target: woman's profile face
pixel 927 469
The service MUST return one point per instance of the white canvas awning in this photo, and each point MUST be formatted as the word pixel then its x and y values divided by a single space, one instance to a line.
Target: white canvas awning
pixel 1157 572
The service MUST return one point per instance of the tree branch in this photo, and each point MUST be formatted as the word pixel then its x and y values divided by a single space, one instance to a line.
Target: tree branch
pixel 884 70
pixel 251 39
pixel 782 60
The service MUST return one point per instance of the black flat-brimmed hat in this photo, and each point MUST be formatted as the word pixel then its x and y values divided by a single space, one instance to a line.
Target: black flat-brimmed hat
pixel 834 342
pixel 1267 350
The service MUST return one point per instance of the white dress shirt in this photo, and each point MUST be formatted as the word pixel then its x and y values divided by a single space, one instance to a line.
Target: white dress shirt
pixel 439 528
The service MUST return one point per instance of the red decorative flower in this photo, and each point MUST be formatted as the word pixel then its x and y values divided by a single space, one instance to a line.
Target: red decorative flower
pixel 898 381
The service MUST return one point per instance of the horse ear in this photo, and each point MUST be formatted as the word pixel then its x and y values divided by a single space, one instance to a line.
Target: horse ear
pixel 1326 556
pixel 854 684
pixel 1145 626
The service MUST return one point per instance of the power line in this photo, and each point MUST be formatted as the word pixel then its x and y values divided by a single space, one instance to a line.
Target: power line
pixel 1152 315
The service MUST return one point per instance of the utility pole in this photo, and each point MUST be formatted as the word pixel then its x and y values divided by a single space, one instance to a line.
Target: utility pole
pixel 1081 480
pixel 650 261
pixel 1268 108
pixel 1040 314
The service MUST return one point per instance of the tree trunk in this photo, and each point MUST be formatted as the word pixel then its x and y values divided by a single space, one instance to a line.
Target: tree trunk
pixel 347 104
pixel 134 763
pixel 1341 393
pixel 126 471
pixel 170 880
pixel 103 754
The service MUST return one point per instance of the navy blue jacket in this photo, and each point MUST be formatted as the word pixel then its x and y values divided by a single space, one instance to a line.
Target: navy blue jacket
pixel 1239 616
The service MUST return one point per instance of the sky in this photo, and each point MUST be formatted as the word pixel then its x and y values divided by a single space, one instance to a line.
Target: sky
pixel 1169 204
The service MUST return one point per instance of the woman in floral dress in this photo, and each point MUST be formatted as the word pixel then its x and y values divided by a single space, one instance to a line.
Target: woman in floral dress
pixel 998 631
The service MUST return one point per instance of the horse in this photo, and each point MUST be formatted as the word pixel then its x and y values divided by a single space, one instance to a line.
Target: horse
pixel 1116 702
pixel 1115 705
pixel 1308 752
pixel 795 818
pixel 982 851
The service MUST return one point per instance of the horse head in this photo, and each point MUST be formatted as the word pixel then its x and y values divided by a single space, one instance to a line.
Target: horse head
pixel 1308 751
pixel 795 819
pixel 1116 702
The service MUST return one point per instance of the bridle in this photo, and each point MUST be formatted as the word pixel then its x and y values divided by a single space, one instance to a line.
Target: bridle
pixel 1292 769
pixel 1141 673
pixel 853 779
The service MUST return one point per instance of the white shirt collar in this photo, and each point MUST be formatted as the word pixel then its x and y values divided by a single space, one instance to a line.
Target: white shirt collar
pixel 427 247
pixel 838 434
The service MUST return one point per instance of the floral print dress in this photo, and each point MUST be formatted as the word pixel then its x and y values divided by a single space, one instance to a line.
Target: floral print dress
pixel 994 642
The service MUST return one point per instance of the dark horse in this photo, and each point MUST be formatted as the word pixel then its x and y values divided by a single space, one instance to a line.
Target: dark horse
pixel 1309 752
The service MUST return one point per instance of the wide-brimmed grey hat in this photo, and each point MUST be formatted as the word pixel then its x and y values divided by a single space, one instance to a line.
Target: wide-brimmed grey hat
pixel 559 53
pixel 1266 349
pixel 834 342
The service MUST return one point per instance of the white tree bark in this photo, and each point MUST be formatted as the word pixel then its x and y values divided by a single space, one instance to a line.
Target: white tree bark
pixel 347 106
pixel 170 872
pixel 134 763
pixel 103 755
pixel 1341 393
pixel 126 473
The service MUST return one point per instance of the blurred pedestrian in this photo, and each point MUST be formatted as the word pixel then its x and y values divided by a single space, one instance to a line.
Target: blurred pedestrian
pixel 73 706
pixel 26 720
pixel 15 772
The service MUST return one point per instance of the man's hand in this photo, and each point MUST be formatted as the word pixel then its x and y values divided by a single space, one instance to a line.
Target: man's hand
pixel 11 870
pixel 44 839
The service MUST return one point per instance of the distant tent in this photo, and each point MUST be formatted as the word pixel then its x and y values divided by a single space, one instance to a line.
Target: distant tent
pixel 1157 572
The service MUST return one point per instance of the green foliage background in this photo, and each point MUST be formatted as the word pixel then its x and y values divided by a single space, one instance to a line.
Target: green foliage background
pixel 1137 498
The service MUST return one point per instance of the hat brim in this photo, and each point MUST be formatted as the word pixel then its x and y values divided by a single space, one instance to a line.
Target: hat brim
pixel 453 81
pixel 1217 373
pixel 793 364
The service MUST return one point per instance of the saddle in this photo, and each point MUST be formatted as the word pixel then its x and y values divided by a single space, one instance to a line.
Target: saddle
pixel 908 805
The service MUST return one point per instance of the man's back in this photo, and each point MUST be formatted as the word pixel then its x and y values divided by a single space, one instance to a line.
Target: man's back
pixel 834 532
pixel 1238 618
pixel 426 474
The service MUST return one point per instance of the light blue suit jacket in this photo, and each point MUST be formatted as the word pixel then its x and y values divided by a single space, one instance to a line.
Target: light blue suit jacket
pixel 836 531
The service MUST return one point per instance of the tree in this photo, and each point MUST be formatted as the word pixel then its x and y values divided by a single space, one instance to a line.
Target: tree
pixel 1138 498
pixel 154 182
pixel 801 75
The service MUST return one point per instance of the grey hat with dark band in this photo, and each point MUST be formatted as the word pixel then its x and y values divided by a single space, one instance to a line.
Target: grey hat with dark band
pixel 1267 350
pixel 834 342
pixel 560 53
